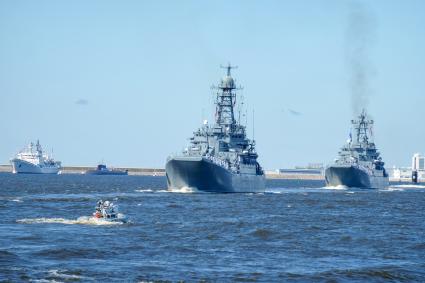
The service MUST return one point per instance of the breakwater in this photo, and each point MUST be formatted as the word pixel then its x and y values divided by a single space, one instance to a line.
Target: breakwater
pixel 161 172
pixel 82 169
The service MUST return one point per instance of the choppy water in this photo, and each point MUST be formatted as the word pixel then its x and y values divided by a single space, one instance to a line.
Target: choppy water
pixel 297 231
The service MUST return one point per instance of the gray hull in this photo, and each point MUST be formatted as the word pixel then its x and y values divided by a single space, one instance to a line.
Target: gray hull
pixel 203 175
pixel 109 172
pixel 351 176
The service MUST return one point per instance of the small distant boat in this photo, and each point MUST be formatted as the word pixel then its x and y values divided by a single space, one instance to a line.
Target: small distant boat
pixel 103 170
pixel 106 210
pixel 33 160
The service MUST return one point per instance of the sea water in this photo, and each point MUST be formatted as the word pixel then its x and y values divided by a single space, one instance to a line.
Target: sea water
pixel 297 231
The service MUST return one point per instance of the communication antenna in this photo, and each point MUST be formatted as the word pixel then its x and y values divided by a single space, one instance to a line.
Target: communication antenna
pixel 253 125
pixel 240 107
pixel 203 114
pixel 246 116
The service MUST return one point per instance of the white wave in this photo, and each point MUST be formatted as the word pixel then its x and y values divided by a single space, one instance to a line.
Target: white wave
pixel 63 275
pixel 339 187
pixel 273 192
pixel 407 187
pixel 83 220
pixel 144 191
pixel 184 190
pixel 16 200
pixel 154 191
pixel 392 189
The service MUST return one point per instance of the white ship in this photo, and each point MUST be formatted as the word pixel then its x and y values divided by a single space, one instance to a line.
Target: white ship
pixel 32 160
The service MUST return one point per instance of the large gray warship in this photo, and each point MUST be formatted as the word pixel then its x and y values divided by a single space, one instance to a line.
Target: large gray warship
pixel 358 164
pixel 220 158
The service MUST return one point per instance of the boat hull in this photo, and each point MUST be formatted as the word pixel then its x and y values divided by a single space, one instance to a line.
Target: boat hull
pixel 112 172
pixel 23 167
pixel 351 176
pixel 203 175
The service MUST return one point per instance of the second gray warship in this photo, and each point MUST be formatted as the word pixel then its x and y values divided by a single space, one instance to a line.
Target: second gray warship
pixel 358 164
pixel 220 158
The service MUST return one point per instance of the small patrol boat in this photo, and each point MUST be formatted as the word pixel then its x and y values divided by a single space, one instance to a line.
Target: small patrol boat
pixel 101 169
pixel 106 210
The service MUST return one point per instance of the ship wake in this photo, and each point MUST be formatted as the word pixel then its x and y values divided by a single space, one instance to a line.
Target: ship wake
pixel 83 220
pixel 404 187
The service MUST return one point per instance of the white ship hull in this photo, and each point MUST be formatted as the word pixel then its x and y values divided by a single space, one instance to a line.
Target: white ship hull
pixel 21 166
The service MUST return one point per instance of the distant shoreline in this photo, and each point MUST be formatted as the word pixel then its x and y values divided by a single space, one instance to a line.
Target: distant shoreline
pixel 161 172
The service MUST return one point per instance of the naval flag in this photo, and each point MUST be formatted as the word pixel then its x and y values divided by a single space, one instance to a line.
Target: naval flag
pixel 350 139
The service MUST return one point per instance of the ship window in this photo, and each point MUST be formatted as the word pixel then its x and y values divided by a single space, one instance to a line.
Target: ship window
pixel 421 164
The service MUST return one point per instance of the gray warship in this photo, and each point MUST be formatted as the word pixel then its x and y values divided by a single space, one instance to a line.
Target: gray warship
pixel 220 158
pixel 359 163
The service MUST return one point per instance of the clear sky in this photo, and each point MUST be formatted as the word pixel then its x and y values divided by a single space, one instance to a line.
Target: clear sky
pixel 129 81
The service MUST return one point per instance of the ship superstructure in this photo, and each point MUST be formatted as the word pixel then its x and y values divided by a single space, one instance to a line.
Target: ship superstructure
pixel 220 158
pixel 33 160
pixel 359 163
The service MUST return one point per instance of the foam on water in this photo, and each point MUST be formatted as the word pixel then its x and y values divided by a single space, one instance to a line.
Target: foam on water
pixel 144 191
pixel 273 192
pixel 83 220
pixel 64 275
pixel 392 189
pixel 56 275
pixel 184 190
pixel 408 187
pixel 339 187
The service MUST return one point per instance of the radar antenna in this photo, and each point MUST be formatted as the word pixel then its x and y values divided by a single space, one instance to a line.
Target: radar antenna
pixel 228 67
pixel 362 126
pixel 226 99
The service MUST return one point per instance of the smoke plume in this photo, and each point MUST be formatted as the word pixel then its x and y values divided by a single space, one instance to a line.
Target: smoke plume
pixel 360 37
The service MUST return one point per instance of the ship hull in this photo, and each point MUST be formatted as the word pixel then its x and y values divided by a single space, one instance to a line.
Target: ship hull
pixel 23 167
pixel 351 176
pixel 203 175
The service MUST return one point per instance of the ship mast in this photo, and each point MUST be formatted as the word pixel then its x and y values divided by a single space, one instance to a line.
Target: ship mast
pixel 361 126
pixel 225 101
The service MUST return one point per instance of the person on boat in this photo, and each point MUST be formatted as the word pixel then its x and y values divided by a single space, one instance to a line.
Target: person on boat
pixel 99 207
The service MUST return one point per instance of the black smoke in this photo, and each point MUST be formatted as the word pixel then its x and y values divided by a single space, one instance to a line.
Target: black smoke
pixel 360 38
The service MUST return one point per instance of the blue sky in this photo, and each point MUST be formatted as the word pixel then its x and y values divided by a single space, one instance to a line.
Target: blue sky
pixel 129 81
